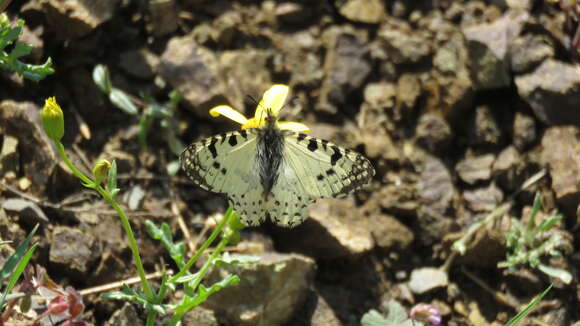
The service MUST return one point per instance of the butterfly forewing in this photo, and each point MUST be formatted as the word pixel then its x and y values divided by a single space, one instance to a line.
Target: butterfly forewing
pixel 225 164
pixel 328 170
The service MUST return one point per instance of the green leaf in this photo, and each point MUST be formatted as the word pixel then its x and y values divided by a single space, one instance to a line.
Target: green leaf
pixel 112 179
pixel 9 34
pixel 163 234
pixel 174 98
pixel 145 123
pixel 559 273
pixel 121 100
pixel 398 316
pixel 204 293
pixel 16 274
pixel 535 209
pixel 17 256
pixel 101 78
pixel 228 259
pixel 373 318
pixel 20 50
pixel 548 223
pixel 514 321
pixel 128 294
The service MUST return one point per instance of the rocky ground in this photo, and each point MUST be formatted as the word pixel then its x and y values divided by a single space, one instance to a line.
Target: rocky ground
pixel 462 107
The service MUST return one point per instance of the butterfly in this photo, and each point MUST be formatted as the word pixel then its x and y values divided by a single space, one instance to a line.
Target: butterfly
pixel 270 172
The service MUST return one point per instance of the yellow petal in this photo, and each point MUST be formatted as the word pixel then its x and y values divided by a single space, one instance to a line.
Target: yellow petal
pixel 273 100
pixel 293 126
pixel 228 112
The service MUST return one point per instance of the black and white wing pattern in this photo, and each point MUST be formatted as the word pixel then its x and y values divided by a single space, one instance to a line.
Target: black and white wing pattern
pixel 314 168
pixel 306 169
pixel 225 164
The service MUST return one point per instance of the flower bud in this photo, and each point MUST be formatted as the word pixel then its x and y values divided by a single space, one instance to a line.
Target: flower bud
pixel 101 170
pixel 52 119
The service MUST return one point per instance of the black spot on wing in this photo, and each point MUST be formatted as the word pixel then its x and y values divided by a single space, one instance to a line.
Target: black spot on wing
pixel 319 177
pixel 336 155
pixel 233 141
pixel 301 137
pixel 324 143
pixel 330 172
pixel 312 145
pixel 224 171
pixel 211 147
pixel 244 134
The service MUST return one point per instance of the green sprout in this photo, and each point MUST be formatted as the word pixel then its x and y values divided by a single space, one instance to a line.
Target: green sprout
pixel 151 111
pixel 529 243
pixel 10 60
pixel 13 269
pixel 152 301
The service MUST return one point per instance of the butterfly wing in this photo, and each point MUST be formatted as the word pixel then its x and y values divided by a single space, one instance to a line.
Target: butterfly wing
pixel 314 168
pixel 225 164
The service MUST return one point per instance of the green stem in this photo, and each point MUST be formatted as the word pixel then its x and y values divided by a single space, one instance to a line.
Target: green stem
pixel 131 237
pixel 124 221
pixel 204 269
pixel 73 168
pixel 218 229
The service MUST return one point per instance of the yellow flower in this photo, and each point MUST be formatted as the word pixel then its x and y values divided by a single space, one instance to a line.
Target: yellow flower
pixel 273 100
pixel 101 170
pixel 52 119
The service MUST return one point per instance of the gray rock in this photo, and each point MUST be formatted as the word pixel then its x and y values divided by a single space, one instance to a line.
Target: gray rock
pixel 139 63
pixel 126 316
pixel 347 64
pixel 435 188
pixel 163 17
pixel 524 130
pixel 451 87
pixel 336 228
pixel 72 250
pixel 390 234
pixel 38 157
pixel 246 73
pixel 474 169
pixel 362 11
pixel 426 279
pixel 488 49
pixel 27 210
pixel 380 95
pixel 297 57
pixel 484 199
pixel 200 316
pixel 9 156
pixel 402 44
pixel 433 133
pixel 192 70
pixel 508 168
pixel 561 153
pixel 269 292
pixel 408 90
pixel 485 130
pixel 553 92
pixel 77 18
pixel 294 13
pixel 316 311
pixel 528 51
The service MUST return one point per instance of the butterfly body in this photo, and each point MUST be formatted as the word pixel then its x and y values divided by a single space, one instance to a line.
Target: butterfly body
pixel 269 172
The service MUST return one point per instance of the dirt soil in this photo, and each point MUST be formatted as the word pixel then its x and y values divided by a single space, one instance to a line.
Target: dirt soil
pixel 461 106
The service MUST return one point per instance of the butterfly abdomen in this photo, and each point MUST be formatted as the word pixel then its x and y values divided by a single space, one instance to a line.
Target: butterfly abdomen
pixel 269 156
